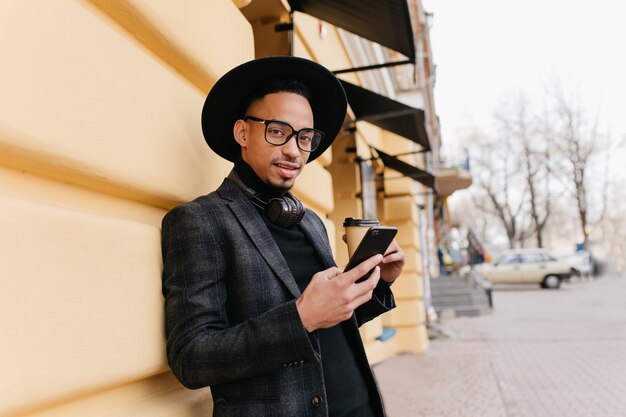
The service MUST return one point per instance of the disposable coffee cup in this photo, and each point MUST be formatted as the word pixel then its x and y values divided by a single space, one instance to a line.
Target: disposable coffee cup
pixel 355 230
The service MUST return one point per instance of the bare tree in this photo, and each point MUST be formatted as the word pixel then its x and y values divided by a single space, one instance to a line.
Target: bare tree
pixel 578 140
pixel 497 176
pixel 543 174
pixel 533 159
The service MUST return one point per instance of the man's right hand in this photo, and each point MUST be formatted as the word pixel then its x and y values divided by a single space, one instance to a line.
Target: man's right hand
pixel 332 295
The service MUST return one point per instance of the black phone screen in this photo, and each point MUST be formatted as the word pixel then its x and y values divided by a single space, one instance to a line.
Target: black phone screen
pixel 376 241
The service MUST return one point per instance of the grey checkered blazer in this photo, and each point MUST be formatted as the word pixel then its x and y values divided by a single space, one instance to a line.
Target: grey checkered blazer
pixel 230 315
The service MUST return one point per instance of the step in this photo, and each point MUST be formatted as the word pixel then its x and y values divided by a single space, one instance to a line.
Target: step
pixel 453 296
pixel 443 298
pixel 460 300
pixel 449 282
pixel 462 311
pixel 452 290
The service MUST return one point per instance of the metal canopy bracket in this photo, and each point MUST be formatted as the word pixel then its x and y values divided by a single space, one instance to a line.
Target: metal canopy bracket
pixel 283 27
pixel 372 67
pixel 388 114
pixel 406 169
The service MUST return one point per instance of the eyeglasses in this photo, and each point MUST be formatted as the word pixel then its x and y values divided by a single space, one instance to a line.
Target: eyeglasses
pixel 278 133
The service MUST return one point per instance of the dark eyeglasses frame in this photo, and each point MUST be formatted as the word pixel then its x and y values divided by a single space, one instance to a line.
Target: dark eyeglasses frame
pixel 294 132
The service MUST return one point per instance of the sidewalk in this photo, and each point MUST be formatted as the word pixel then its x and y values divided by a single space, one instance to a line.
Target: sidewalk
pixel 540 353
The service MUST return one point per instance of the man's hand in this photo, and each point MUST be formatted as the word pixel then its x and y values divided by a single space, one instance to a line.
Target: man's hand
pixel 393 263
pixel 332 296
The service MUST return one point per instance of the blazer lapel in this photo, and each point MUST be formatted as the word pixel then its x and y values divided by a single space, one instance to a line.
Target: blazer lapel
pixel 318 238
pixel 251 221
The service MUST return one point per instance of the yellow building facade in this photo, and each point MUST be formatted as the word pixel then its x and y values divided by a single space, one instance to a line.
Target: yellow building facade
pixel 99 137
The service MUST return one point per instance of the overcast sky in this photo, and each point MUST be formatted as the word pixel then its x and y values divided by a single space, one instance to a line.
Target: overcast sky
pixel 488 50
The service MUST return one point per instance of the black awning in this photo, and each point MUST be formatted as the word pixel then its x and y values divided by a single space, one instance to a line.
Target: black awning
pixel 387 114
pixel 408 170
pixel 385 22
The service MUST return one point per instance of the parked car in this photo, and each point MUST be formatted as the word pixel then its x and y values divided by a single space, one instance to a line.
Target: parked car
pixel 582 264
pixel 527 266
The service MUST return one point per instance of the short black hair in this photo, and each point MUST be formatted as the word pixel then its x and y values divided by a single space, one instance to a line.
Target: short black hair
pixel 277 86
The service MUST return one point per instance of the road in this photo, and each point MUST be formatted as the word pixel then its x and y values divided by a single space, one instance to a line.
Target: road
pixel 539 353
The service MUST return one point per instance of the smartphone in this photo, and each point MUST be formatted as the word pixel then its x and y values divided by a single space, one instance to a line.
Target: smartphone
pixel 376 241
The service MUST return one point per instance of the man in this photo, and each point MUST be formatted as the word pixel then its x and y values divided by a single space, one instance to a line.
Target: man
pixel 255 306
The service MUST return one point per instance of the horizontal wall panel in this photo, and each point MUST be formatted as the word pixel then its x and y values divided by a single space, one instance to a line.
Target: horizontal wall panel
pixel 347 179
pixel 84 103
pixel 346 207
pixel 82 306
pixel 412 339
pixel 406 313
pixel 314 186
pixel 407 236
pixel 378 351
pixel 400 208
pixel 158 396
pixel 413 260
pixel 408 286
pixel 367 135
pixel 371 330
pixel 395 144
pixel 189 35
pixel 26 186
pixel 398 185
pixel 326 158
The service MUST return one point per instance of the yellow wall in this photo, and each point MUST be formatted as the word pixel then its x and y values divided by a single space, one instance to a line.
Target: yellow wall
pixel 99 136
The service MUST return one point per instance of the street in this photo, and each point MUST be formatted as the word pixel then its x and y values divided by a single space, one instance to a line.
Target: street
pixel 539 353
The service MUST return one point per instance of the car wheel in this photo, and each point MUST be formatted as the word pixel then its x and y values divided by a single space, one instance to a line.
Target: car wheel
pixel 551 281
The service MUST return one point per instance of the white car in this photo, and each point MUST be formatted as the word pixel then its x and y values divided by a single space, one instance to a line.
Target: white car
pixel 581 263
pixel 527 266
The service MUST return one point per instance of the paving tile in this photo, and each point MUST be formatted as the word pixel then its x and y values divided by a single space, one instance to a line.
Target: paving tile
pixel 540 353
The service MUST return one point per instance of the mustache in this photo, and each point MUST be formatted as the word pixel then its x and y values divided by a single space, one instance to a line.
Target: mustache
pixel 295 161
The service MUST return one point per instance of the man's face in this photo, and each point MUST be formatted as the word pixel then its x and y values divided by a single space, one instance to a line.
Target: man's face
pixel 277 166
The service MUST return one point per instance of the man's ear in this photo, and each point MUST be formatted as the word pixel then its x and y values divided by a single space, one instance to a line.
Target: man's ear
pixel 240 132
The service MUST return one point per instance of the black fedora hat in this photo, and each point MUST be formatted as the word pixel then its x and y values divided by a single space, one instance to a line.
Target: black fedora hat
pixel 223 105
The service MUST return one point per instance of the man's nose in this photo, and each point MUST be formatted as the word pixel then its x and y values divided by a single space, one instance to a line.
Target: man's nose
pixel 291 147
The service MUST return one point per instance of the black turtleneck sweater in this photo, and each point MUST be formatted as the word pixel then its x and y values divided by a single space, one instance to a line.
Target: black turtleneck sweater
pixel 346 391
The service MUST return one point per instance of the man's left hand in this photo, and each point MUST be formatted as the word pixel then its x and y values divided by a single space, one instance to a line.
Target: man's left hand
pixel 392 264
